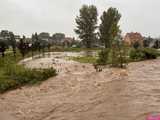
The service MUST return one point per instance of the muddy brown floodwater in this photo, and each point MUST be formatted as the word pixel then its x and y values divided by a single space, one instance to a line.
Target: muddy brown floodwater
pixel 81 93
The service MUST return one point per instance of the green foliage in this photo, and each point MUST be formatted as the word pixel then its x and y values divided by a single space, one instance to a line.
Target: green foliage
pixel 12 42
pixel 26 76
pixel 6 84
pixel 109 27
pixel 103 57
pixel 118 54
pixel 143 54
pixel 136 45
pixel 85 59
pixel 23 47
pixel 87 24
pixel 13 75
pixel 3 47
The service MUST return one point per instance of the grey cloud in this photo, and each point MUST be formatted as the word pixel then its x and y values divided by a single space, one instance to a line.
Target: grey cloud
pixel 28 16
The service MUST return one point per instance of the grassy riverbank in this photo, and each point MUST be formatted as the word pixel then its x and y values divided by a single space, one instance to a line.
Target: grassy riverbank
pixel 13 75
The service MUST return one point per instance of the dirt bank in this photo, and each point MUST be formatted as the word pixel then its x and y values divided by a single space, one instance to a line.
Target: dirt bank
pixel 80 93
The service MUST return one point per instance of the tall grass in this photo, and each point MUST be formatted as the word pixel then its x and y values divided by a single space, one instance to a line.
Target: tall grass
pixel 13 75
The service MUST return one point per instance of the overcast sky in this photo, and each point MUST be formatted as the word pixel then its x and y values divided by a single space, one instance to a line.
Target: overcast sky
pixel 28 16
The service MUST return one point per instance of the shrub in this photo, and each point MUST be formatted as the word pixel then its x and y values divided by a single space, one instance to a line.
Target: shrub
pixel 28 76
pixel 6 84
pixel 150 53
pixel 103 57
pixel 143 54
pixel 136 55
pixel 118 54
pixel 13 75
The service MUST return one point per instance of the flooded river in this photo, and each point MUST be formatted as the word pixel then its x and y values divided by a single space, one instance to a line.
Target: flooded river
pixel 81 93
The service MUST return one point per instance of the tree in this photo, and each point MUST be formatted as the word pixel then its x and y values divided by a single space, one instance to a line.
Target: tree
pixel 23 47
pixel 37 43
pixel 33 46
pixel 136 45
pixel 103 57
pixel 110 34
pixel 147 41
pixel 87 24
pixel 118 54
pixel 2 47
pixel 13 42
pixel 156 44
pixel 109 27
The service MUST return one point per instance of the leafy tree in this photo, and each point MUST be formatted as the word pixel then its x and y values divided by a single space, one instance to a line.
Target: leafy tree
pixel 37 43
pixel 136 45
pixel 13 42
pixel 33 46
pixel 109 27
pixel 103 57
pixel 156 44
pixel 3 47
pixel 87 24
pixel 147 41
pixel 23 47
pixel 110 35
pixel 118 54
pixel 49 48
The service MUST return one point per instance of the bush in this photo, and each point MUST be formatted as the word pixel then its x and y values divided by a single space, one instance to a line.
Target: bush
pixel 143 54
pixel 136 55
pixel 103 57
pixel 13 76
pixel 116 56
pixel 151 53
pixel 6 84
pixel 119 54
pixel 28 76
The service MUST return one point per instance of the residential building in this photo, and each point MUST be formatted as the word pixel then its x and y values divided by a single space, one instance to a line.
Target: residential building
pixel 132 38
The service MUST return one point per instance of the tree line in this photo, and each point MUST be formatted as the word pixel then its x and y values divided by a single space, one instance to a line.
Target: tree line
pixel 37 43
pixel 23 45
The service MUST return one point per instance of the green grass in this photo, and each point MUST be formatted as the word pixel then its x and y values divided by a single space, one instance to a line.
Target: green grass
pixel 85 59
pixel 13 76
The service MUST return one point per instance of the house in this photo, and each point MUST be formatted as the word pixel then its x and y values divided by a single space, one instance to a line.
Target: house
pixel 44 36
pixel 132 38
pixel 58 38
pixel 68 41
